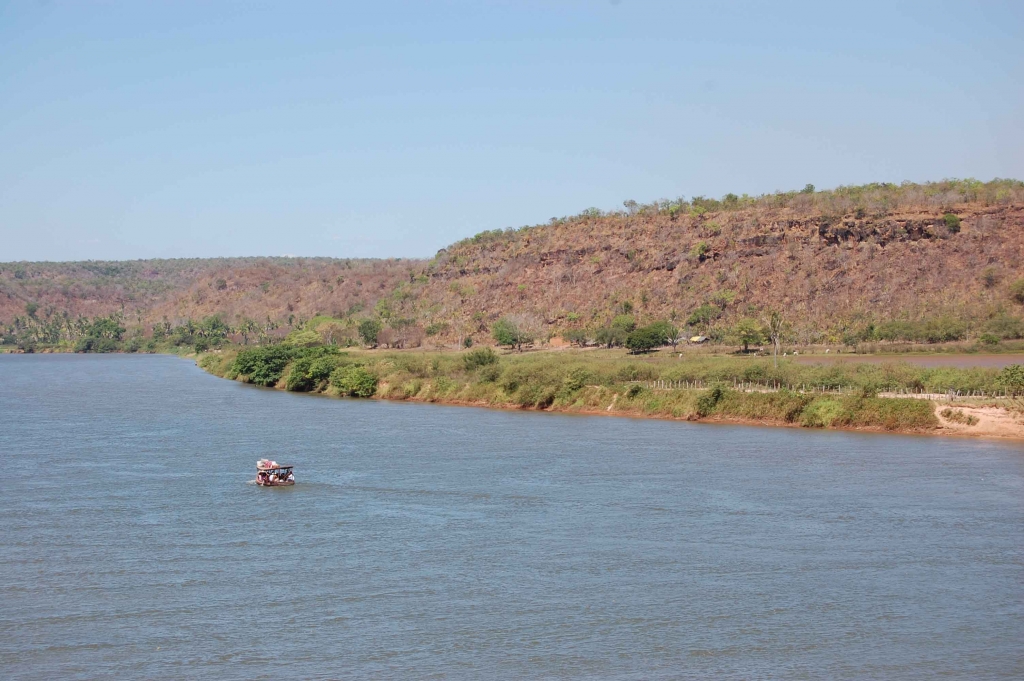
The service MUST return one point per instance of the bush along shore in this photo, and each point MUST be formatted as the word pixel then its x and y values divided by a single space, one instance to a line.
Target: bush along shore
pixel 856 396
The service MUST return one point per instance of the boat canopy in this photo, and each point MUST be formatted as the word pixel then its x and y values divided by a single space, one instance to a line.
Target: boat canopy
pixel 268 465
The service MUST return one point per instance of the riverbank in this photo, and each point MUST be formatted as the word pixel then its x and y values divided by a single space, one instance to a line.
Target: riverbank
pixel 734 390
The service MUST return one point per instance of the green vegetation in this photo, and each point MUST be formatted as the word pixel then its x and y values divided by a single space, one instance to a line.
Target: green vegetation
pixel 369 330
pixel 1011 379
pixel 1017 291
pixel 512 332
pixel 354 381
pixel 745 388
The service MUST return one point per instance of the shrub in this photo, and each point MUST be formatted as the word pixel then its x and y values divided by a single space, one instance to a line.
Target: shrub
pixel 92 344
pixel 1011 379
pixel 700 251
pixel 576 379
pixel 610 336
pixel 952 223
pixel 989 339
pixel 822 413
pixel 1017 291
pixel 490 373
pixel 262 366
pixel 704 315
pixel 310 373
pixel 354 381
pixel 708 400
pixel 624 322
pixel 634 391
pixel 474 359
pixel 889 413
pixel 958 416
pixel 302 338
pixel 1005 326
pixel 636 372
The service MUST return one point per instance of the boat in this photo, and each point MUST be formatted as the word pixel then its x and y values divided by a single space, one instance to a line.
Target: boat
pixel 273 474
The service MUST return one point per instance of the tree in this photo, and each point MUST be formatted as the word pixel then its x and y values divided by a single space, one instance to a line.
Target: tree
pixel 331 331
pixel 611 336
pixel 369 330
pixel 703 316
pixel 576 337
pixel 666 332
pixel 262 366
pixel 644 340
pixel 512 331
pixel 302 338
pixel 106 327
pixel 774 325
pixel 624 322
pixel 247 327
pixel 1011 378
pixel 748 332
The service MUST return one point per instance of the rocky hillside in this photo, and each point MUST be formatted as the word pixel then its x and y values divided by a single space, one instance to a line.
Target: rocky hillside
pixel 826 271
pixel 235 288
pixel 829 260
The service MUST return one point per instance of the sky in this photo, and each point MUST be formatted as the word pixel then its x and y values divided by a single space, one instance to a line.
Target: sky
pixel 386 129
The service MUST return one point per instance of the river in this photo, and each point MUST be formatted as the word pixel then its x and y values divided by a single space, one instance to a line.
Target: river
pixel 424 541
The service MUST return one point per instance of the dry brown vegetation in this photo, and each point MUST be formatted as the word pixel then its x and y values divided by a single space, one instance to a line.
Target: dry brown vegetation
pixel 826 270
pixel 235 288
pixel 830 260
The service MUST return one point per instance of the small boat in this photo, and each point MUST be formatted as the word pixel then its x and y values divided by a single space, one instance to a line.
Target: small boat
pixel 273 474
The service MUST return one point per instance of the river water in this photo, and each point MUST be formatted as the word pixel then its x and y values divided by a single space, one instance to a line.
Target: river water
pixel 441 542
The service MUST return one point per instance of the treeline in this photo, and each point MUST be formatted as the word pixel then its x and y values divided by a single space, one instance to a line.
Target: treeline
pixel 746 332
pixel 53 330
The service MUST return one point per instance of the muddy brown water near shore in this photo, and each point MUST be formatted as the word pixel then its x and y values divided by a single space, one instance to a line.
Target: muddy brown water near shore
pixel 466 543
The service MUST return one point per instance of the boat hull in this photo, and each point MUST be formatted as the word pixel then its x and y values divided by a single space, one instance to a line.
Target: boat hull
pixel 284 483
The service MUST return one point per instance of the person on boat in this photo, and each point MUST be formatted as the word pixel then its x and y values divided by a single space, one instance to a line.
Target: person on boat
pixel 291 477
pixel 273 477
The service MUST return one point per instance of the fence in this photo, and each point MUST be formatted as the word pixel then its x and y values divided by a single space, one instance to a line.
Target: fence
pixel 750 386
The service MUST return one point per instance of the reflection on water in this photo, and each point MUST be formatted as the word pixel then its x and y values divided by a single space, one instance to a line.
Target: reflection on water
pixel 433 541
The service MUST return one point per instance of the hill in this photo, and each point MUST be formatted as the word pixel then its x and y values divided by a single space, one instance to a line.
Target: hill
pixel 927 262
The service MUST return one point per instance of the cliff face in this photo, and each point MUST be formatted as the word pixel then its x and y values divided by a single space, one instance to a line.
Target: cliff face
pixel 825 263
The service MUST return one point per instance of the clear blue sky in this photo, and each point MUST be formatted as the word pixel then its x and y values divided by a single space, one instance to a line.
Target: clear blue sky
pixel 145 129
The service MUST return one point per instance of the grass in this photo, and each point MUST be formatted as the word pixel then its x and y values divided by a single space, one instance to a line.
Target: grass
pixel 613 382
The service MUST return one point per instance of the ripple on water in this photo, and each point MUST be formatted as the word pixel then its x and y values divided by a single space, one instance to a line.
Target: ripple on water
pixel 426 541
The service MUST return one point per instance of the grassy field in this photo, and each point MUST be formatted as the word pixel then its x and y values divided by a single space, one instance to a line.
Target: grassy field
pixel 660 385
